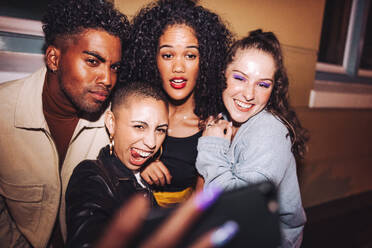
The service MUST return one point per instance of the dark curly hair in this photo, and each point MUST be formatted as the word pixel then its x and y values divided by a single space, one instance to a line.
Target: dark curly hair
pixel 69 17
pixel 213 36
pixel 278 103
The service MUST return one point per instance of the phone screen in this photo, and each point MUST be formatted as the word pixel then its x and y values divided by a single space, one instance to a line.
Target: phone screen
pixel 249 206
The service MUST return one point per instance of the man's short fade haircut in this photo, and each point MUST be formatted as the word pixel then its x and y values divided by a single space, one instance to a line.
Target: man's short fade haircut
pixel 142 89
pixel 69 17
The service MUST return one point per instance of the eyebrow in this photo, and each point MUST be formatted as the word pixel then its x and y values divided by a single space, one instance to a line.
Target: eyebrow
pixel 163 125
pixel 169 46
pixel 145 123
pixel 268 79
pixel 142 122
pixel 99 57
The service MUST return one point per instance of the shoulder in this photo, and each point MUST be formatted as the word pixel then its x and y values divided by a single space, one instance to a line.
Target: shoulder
pixel 87 164
pixel 9 90
pixel 94 171
pixel 91 167
pixel 11 85
pixel 86 178
pixel 265 146
pixel 266 120
pixel 9 94
pixel 14 86
pixel 85 169
pixel 265 127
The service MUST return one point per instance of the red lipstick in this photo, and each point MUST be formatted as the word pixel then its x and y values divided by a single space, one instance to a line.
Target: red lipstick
pixel 178 82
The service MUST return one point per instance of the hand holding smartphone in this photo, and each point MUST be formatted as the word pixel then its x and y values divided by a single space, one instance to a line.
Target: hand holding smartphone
pixel 253 208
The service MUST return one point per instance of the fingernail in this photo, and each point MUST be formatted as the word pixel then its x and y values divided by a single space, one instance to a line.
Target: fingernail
pixel 273 206
pixel 206 198
pixel 224 233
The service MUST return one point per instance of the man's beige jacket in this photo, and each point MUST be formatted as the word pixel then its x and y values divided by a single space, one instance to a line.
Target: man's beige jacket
pixel 32 190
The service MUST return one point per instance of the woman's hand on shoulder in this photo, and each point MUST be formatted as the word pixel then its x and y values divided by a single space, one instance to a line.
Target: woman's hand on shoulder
pixel 156 173
pixel 218 127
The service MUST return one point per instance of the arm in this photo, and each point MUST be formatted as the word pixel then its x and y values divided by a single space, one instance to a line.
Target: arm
pixel 214 165
pixel 10 236
pixel 260 152
pixel 89 205
pixel 213 162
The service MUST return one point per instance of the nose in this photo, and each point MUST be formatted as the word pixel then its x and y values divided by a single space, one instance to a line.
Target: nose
pixel 149 140
pixel 249 92
pixel 106 77
pixel 178 65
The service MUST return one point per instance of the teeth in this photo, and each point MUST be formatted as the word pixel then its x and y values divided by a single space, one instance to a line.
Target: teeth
pixel 142 153
pixel 178 80
pixel 242 104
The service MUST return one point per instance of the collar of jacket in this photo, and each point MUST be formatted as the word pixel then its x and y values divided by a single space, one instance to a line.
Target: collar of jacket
pixel 121 174
pixel 29 108
pixel 120 170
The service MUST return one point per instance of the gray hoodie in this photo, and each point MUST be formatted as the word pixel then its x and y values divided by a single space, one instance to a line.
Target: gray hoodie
pixel 260 151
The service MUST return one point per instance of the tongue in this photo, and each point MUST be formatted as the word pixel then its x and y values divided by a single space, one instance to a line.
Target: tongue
pixel 135 154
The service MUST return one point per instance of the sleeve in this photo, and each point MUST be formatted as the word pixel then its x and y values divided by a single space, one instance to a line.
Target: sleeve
pixel 10 236
pixel 214 165
pixel 89 205
pixel 262 153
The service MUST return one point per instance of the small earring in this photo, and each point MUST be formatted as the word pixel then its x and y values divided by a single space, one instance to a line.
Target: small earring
pixel 111 145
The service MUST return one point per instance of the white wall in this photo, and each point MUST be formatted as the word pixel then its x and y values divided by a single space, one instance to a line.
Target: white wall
pixel 17 65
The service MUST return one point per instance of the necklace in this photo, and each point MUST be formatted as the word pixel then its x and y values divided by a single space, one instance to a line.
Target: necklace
pixel 181 119
pixel 185 117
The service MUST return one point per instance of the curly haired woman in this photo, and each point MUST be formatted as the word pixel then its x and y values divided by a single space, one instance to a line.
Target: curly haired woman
pixel 261 137
pixel 179 46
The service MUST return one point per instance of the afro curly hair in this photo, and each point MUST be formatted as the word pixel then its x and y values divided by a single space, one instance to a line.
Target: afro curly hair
pixel 213 36
pixel 69 17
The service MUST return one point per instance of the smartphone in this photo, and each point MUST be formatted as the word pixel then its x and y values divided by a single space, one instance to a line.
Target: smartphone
pixel 252 207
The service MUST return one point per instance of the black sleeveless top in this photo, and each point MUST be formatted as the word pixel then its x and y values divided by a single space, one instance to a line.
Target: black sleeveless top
pixel 179 156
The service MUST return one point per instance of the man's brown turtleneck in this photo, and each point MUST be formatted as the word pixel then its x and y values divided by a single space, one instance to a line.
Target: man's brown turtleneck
pixel 60 115
pixel 62 119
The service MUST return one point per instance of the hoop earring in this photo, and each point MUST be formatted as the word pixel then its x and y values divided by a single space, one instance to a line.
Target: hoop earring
pixel 160 153
pixel 111 145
